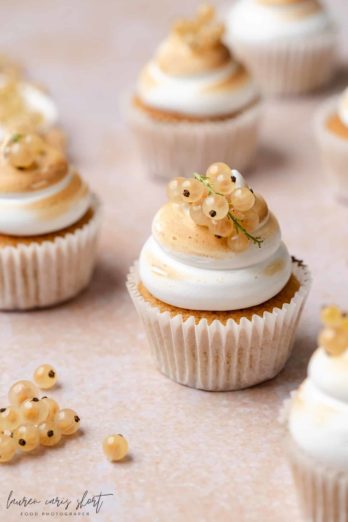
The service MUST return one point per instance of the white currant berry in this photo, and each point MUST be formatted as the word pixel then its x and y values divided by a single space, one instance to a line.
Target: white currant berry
pixel 67 421
pixel 50 433
pixel 215 207
pixel 9 418
pixel 174 190
pixel 198 216
pixel 191 190
pixel 222 227
pixel 33 411
pixel 115 447
pixel 242 199
pixel 45 376
pixel 20 391
pixel 8 448
pixel 27 437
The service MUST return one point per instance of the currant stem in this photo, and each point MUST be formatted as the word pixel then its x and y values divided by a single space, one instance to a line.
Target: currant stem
pixel 255 239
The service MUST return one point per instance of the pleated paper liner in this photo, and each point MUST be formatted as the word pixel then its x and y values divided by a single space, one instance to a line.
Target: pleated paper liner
pixel 221 356
pixel 294 66
pixel 173 149
pixel 322 491
pixel 37 275
pixel 334 150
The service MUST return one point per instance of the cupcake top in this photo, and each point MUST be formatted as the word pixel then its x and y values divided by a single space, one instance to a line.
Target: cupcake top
pixel 24 107
pixel 256 20
pixel 39 192
pixel 193 73
pixel 318 419
pixel 215 245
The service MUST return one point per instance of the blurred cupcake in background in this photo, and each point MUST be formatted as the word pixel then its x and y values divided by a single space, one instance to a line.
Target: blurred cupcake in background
pixel 49 222
pixel 288 45
pixel 194 102
pixel 215 286
pixel 318 425
pixel 332 134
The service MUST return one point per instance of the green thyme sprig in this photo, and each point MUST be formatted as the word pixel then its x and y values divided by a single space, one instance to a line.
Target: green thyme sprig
pixel 15 138
pixel 237 223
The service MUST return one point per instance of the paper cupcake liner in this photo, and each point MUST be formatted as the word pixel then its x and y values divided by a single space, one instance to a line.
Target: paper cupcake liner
pixel 291 67
pixel 334 150
pixel 322 491
pixel 172 149
pixel 220 356
pixel 43 274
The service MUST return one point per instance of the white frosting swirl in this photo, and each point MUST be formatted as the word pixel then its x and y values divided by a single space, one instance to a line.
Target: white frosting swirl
pixel 253 20
pixel 228 282
pixel 183 284
pixel 343 108
pixel 318 419
pixel 44 211
pixel 199 95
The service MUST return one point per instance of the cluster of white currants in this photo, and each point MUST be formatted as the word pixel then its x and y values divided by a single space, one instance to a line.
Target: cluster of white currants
pixel 203 32
pixel 22 150
pixel 29 421
pixel 215 201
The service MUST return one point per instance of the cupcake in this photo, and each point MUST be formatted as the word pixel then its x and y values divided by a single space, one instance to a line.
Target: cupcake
pixel 318 425
pixel 332 136
pixel 288 45
pixel 194 102
pixel 215 286
pixel 48 225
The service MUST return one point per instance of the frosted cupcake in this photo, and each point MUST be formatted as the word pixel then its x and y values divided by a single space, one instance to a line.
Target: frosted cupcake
pixel 332 135
pixel 215 286
pixel 288 45
pixel 194 102
pixel 318 425
pixel 48 225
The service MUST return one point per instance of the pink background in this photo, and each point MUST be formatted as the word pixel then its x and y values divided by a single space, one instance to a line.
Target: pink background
pixel 195 456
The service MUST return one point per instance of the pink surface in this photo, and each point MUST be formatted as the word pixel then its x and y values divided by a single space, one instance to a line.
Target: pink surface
pixel 195 456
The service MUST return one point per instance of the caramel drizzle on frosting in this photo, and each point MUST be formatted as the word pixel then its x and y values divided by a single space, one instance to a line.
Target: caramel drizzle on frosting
pixel 194 46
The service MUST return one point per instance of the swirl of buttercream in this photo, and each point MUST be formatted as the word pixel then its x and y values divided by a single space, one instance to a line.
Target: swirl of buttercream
pixel 213 93
pixel 184 265
pixel 318 420
pixel 257 20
